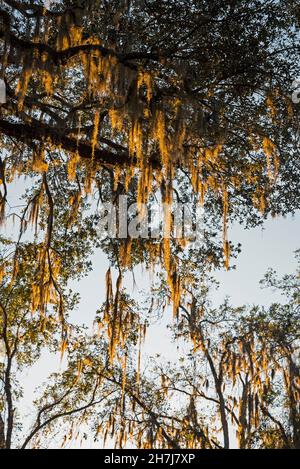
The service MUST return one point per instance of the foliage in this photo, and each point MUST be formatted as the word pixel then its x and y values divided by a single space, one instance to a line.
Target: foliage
pixel 185 100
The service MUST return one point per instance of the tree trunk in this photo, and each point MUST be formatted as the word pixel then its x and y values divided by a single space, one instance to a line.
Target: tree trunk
pixel 9 402
pixel 2 434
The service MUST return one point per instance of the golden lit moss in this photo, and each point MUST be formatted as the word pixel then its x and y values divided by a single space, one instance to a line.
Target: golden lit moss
pixel 271 106
pixel 74 203
pixel 124 378
pixel 195 179
pixel 271 151
pixel 116 119
pixel 95 132
pixel 136 140
pixel 89 177
pixel 47 82
pixel 129 176
pixel 144 79
pixel 117 176
pixel 23 82
pixel 39 164
pixel 125 253
pixel 73 161
pixel 226 245
pixel 212 153
pixel 47 74
pixel 144 186
pixel 75 35
pixel 35 209
pixel 142 334
pixel 160 136
pixel 63 348
pixel 259 201
pixel 2 272
pixel 289 107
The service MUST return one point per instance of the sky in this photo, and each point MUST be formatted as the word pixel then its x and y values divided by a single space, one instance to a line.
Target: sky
pixel 272 246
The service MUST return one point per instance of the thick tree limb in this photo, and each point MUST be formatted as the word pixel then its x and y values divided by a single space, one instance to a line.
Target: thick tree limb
pixel 29 134
pixel 61 57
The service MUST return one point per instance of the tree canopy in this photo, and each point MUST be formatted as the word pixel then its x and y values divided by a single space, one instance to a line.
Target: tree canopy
pixel 185 101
